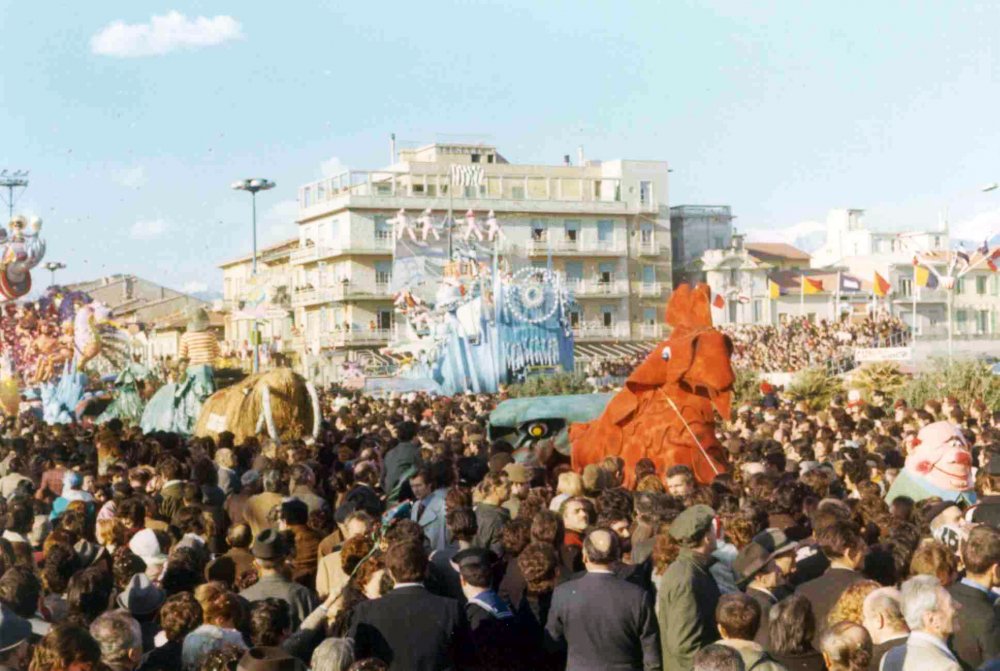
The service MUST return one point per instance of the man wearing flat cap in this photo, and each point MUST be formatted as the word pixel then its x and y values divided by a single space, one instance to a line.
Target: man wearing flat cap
pixel 688 593
pixel 270 552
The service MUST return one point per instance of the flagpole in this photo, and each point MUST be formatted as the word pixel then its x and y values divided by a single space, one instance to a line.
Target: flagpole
pixel 913 326
pixel 836 300
pixel 802 295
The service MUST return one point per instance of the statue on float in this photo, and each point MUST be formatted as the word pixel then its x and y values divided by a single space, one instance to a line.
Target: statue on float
pixel 176 405
pixel 939 464
pixel 666 412
pixel 20 251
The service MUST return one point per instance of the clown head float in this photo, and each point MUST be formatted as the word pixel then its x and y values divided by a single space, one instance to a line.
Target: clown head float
pixel 939 464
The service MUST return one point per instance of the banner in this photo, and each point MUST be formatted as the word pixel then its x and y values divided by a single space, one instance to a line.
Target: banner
pixel 871 354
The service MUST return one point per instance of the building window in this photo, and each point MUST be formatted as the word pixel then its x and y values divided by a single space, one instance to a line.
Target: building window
pixel 649 315
pixel 646 233
pixel 385 319
pixel 718 242
pixel 474 158
pixel 517 192
pixel 605 230
pixel 574 318
pixel 573 270
pixel 572 230
pixel 960 285
pixel 758 311
pixel 606 272
pixel 538 230
pixel 905 286
pixel 981 285
pixel 607 316
pixel 383 272
pixel 648 274
pixel 383 229
pixel 734 277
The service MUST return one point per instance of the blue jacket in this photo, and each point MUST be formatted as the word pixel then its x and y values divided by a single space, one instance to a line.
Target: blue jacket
pixel 432 519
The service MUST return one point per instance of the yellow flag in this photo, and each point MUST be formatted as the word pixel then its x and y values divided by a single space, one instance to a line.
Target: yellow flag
pixel 773 290
pixel 811 286
pixel 922 275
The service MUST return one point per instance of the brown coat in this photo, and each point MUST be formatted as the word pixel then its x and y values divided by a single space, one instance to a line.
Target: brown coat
pixel 258 512
pixel 304 560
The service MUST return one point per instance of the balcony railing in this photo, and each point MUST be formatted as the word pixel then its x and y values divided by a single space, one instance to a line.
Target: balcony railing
pixel 377 245
pixel 648 289
pixel 361 336
pixel 599 331
pixel 650 331
pixel 565 246
pixel 580 288
pixel 649 248
pixel 349 291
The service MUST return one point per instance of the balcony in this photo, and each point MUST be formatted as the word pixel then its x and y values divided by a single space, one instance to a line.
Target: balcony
pixel 650 290
pixel 598 331
pixel 649 248
pixel 380 244
pixel 617 288
pixel 363 336
pixel 342 292
pixel 650 331
pixel 566 247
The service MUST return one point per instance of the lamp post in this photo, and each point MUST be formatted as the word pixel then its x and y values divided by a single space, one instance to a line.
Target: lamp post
pixel 52 267
pixel 253 186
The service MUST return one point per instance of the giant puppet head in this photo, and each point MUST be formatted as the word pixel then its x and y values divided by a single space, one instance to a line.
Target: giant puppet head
pixel 939 464
pixel 666 412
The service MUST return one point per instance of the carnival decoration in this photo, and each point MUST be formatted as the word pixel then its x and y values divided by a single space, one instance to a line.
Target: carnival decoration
pixel 427 226
pixel 666 412
pixel 280 403
pixel 939 464
pixel 472 227
pixel 403 226
pixel 20 251
pixel 128 402
pixel 493 230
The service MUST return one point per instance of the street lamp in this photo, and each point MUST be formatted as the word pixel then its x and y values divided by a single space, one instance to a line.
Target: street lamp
pixel 991 187
pixel 253 186
pixel 52 267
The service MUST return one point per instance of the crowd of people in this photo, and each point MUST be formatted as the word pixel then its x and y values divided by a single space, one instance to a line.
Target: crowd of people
pixel 402 538
pixel 801 343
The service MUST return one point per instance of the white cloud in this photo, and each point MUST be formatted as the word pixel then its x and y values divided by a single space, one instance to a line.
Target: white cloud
pixel 148 229
pixel 164 34
pixel 130 178
pixel 194 287
pixel 332 166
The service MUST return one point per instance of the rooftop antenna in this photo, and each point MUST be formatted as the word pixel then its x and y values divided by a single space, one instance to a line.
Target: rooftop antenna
pixel 12 180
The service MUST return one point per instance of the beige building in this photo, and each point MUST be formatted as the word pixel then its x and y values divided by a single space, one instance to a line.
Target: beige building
pixel 134 300
pixel 269 297
pixel 605 225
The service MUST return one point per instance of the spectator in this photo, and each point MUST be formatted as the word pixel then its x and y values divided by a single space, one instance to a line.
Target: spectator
pixel 846 646
pixel 333 654
pixel 977 634
pixel 15 636
pixel 882 616
pixel 142 600
pixel 120 638
pixel 491 623
pixel 399 460
pixel 842 545
pixel 930 614
pixel 490 515
pixel 180 615
pixel 791 629
pixel 66 648
pixel 270 557
pixel 429 508
pixel 738 618
pixel 295 520
pixel 763 568
pixel 262 509
pixel 330 576
pixel 716 657
pixel 688 594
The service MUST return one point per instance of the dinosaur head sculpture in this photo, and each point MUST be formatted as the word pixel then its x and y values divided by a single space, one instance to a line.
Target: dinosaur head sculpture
pixel 696 357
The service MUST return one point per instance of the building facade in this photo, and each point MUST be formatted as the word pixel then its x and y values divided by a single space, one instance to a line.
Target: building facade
pixel 604 225
pixel 268 298
pixel 695 229
pixel 134 300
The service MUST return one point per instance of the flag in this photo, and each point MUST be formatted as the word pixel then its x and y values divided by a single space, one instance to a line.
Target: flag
pixel 881 285
pixel 811 286
pixel 985 249
pixel 718 301
pixel 773 289
pixel 848 283
pixel 923 276
pixel 965 257
pixel 992 266
pixel 467 175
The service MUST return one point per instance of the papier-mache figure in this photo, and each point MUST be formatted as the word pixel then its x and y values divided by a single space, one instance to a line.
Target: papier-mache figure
pixel 176 405
pixel 939 464
pixel 403 226
pixel 472 226
pixel 426 223
pixel 493 230
pixel 19 253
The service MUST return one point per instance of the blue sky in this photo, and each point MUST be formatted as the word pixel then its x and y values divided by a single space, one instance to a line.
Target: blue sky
pixel 781 109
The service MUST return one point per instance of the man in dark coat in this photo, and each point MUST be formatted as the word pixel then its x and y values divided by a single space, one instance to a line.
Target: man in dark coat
pixel 763 567
pixel 987 511
pixel 603 621
pixel 270 554
pixel 495 640
pixel 399 460
pixel 842 544
pixel 409 628
pixel 977 637
pixel 688 593
pixel 491 516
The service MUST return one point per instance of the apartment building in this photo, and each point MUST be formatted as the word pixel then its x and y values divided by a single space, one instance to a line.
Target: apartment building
pixel 695 229
pixel 266 298
pixel 604 224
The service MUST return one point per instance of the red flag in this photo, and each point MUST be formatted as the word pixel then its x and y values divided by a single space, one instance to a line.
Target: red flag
pixel 881 285
pixel 993 266
pixel 718 301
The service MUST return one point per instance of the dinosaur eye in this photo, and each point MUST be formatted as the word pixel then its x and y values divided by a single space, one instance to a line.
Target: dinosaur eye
pixel 666 353
pixel 538 429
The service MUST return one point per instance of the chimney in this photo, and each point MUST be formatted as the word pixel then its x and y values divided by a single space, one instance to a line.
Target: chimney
pixel 392 148
pixel 566 160
pixel 579 155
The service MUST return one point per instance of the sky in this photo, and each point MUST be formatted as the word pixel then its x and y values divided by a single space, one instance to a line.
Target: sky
pixel 135 117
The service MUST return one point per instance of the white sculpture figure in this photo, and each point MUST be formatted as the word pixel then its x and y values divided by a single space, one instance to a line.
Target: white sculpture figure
pixel 403 226
pixel 427 226
pixel 493 230
pixel 19 253
pixel 472 227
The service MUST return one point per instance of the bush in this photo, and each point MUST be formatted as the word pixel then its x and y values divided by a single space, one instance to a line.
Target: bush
pixel 815 387
pixel 551 385
pixel 746 387
pixel 965 379
pixel 882 376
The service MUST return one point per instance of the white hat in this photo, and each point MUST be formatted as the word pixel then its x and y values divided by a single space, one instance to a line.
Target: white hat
pixel 145 544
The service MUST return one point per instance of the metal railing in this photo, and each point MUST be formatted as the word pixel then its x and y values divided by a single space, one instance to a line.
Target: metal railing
pixel 311 296
pixel 566 246
pixel 647 289
pixel 616 287
pixel 601 332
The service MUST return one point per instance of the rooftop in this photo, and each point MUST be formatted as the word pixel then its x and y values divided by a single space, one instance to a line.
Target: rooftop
pixel 265 254
pixel 772 251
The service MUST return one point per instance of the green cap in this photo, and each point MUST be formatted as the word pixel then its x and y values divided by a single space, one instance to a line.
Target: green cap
pixel 692 524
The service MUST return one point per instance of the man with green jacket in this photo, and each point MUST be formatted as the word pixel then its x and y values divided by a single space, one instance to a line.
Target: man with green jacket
pixel 688 593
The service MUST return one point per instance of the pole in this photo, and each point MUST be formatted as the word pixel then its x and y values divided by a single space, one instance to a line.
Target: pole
pixel 451 218
pixel 254 334
pixel 802 295
pixel 914 289
pixel 951 295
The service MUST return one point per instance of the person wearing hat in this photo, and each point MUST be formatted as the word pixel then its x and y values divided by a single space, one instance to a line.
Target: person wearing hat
pixel 15 633
pixel 295 520
pixel 763 568
pixel 142 599
pixel 519 477
pixel 270 552
pixel 269 659
pixel 688 593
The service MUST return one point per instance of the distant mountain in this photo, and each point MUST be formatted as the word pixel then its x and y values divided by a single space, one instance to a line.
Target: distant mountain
pixel 805 235
pixel 974 244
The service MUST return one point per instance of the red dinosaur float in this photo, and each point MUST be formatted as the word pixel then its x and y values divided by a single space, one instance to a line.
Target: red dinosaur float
pixel 666 412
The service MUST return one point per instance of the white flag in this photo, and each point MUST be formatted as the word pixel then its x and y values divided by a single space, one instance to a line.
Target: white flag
pixel 467 175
